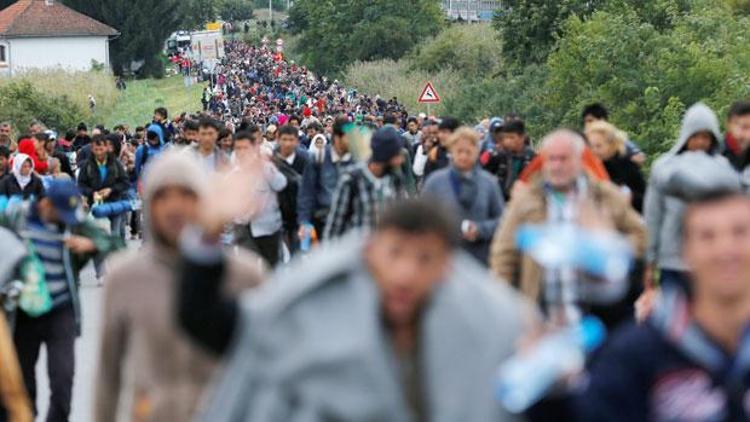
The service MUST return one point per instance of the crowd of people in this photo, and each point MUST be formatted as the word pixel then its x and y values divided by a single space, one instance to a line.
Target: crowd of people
pixel 303 251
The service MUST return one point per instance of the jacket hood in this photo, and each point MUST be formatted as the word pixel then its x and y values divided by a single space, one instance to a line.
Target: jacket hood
pixel 154 128
pixel 171 168
pixel 698 118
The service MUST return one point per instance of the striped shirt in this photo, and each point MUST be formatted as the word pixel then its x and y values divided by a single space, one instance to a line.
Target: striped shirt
pixel 47 240
pixel 359 199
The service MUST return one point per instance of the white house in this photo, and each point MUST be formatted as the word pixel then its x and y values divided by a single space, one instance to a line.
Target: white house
pixel 38 34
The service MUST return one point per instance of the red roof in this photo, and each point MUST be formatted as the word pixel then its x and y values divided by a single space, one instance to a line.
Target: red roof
pixel 37 18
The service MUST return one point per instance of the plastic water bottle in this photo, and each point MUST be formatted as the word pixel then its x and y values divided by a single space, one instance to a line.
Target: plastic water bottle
pixel 306 241
pixel 526 377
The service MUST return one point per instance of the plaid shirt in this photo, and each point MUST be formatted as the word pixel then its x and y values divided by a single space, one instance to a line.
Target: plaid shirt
pixel 359 199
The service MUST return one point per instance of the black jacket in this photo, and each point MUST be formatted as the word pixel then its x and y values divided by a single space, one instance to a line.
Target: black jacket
pixel 288 197
pixel 9 187
pixel 89 179
pixel 441 160
pixel 301 157
pixel 623 172
pixel 500 164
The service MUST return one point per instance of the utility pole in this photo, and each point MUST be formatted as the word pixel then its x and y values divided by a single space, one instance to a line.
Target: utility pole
pixel 270 11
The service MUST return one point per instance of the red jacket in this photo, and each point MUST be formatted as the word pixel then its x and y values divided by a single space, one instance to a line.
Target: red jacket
pixel 28 147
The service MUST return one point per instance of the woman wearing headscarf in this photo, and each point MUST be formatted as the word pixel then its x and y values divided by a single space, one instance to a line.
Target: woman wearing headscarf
pixel 318 148
pixel 33 148
pixel 22 181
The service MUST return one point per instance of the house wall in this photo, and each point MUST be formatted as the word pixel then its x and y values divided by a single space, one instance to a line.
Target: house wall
pixel 72 53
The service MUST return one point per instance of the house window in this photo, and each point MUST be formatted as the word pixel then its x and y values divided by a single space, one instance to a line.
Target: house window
pixel 3 55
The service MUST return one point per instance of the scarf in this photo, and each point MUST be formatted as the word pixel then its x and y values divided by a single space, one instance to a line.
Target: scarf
pixel 18 161
pixel 465 187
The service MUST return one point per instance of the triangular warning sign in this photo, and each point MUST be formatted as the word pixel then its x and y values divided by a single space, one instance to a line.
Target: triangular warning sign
pixel 429 95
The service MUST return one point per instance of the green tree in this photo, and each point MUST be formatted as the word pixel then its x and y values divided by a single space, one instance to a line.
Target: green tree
pixel 529 28
pixel 196 13
pixel 142 34
pixel 335 33
pixel 235 10
pixel 645 75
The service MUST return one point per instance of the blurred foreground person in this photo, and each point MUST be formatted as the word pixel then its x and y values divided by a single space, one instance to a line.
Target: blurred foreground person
pixel 14 404
pixel 564 194
pixel 688 361
pixel 62 241
pixel 396 325
pixel 169 372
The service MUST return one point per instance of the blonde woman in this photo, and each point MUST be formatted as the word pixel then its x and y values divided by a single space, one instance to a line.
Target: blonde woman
pixel 608 143
pixel 472 192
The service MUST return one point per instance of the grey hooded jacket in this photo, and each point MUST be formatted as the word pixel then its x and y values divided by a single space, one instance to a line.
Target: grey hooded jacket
pixel 311 346
pixel 675 177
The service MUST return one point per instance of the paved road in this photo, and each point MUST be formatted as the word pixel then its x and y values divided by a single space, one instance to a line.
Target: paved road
pixel 86 354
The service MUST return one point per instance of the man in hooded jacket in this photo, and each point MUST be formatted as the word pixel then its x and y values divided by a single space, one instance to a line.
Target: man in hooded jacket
pixel 150 149
pixel 699 137
pixel 169 372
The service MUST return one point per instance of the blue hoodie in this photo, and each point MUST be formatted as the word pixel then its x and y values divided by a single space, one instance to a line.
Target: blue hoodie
pixel 148 152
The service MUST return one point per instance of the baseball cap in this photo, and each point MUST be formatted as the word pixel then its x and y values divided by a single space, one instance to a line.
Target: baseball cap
pixel 66 199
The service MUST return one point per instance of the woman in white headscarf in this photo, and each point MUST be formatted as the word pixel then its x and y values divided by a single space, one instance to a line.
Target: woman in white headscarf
pixel 22 181
pixel 318 148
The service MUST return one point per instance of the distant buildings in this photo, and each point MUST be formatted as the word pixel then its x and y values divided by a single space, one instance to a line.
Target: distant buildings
pixel 471 10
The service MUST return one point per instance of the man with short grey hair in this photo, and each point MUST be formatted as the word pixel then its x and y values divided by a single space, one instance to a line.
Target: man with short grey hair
pixel 562 195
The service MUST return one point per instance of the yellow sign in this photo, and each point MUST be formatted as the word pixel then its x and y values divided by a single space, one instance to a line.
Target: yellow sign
pixel 213 26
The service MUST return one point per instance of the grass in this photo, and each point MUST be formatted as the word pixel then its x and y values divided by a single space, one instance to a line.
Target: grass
pixel 135 105
pixel 75 85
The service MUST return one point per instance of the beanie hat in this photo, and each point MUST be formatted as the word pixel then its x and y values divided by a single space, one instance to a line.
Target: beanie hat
pixel 385 144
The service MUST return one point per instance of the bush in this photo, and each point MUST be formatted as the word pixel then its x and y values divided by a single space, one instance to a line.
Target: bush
pixel 453 61
pixel 389 78
pixel 75 86
pixel 21 103
pixel 522 94
pixel 57 98
pixel 474 50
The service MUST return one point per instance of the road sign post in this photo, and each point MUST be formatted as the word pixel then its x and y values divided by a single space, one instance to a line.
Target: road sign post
pixel 429 96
